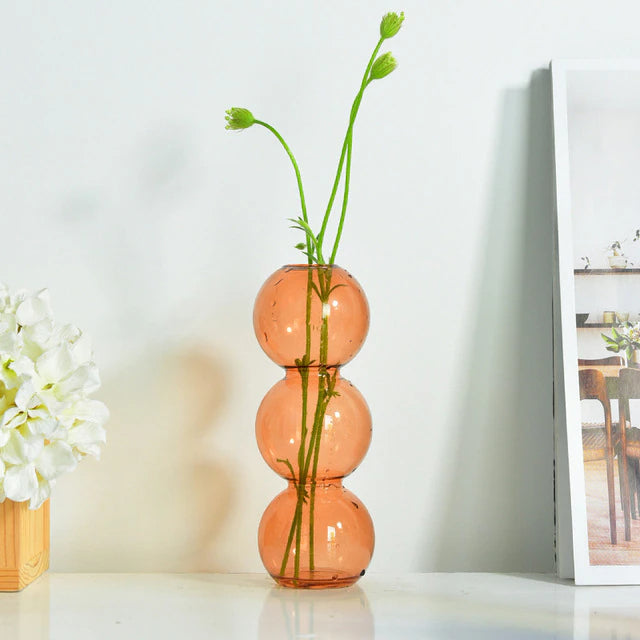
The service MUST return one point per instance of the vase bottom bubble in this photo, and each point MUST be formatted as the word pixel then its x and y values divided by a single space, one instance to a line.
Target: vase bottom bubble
pixel 336 555
pixel 317 579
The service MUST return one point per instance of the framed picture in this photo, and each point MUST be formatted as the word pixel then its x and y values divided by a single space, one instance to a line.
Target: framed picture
pixel 596 116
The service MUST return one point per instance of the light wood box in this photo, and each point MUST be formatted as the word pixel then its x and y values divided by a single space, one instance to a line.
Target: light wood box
pixel 24 544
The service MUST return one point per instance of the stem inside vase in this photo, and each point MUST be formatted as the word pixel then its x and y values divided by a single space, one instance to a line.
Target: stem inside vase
pixel 309 448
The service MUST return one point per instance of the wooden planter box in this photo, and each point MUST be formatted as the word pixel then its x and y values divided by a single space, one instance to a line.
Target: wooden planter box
pixel 24 544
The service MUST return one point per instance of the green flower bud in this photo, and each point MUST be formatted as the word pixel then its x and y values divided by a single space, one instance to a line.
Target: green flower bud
pixel 301 246
pixel 383 66
pixel 390 25
pixel 238 118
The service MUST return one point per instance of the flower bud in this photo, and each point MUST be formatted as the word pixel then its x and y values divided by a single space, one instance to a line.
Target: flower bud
pixel 383 66
pixel 238 118
pixel 390 25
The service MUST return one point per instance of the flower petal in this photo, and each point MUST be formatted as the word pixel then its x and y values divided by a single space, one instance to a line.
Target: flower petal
pixel 13 417
pixel 8 342
pixel 42 492
pixel 34 309
pixel 55 364
pixel 85 410
pixel 43 426
pixel 87 433
pixel 38 338
pixel 9 378
pixel 24 397
pixel 39 413
pixel 21 450
pixel 23 367
pixel 82 350
pixel 51 402
pixel 20 482
pixel 56 458
pixel 85 379
pixel 65 333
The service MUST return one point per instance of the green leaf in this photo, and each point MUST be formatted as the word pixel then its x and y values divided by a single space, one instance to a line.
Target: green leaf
pixel 290 467
pixel 304 227
pixel 335 286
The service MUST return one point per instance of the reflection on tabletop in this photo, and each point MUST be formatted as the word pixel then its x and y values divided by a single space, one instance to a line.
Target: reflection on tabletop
pixel 246 606
pixel 333 613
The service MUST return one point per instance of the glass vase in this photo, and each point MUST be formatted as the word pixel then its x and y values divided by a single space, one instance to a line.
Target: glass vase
pixel 313 427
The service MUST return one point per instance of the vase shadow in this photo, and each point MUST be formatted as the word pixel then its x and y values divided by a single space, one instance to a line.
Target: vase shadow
pixel 160 495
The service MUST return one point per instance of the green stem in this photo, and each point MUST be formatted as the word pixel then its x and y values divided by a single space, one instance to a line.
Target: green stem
pixel 295 166
pixel 296 523
pixel 303 204
pixel 297 518
pixel 318 423
pixel 345 198
pixel 352 117
pixel 314 473
pixel 304 375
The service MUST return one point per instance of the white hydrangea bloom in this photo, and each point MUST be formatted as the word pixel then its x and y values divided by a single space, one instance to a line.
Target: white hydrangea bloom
pixel 47 421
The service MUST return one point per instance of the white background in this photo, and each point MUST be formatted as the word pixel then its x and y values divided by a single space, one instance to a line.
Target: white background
pixel 153 227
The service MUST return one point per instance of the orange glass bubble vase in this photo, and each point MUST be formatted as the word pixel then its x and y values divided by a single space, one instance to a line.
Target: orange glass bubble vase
pixel 313 427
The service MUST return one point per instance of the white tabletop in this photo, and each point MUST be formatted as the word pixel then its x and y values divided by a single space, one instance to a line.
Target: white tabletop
pixel 246 606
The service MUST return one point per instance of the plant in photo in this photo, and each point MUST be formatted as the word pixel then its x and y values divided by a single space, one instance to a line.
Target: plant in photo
pixel 625 339
pixel 616 248
pixel 617 257
pixel 48 422
pixel 320 252
pixel 587 262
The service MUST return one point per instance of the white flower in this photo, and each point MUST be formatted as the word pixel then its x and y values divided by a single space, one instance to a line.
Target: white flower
pixel 34 309
pixel 35 469
pixel 47 420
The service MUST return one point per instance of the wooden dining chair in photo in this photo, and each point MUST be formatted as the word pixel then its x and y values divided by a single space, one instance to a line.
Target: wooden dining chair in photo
pixel 596 443
pixel 599 443
pixel 629 389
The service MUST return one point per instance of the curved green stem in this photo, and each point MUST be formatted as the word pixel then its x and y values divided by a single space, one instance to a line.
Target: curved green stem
pixel 295 166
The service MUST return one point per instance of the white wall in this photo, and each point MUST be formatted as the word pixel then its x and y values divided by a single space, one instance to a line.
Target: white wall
pixel 154 228
pixel 605 155
pixel 604 148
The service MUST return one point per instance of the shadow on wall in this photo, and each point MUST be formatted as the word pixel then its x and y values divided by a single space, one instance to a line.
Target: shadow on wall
pixel 163 494
pixel 499 496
